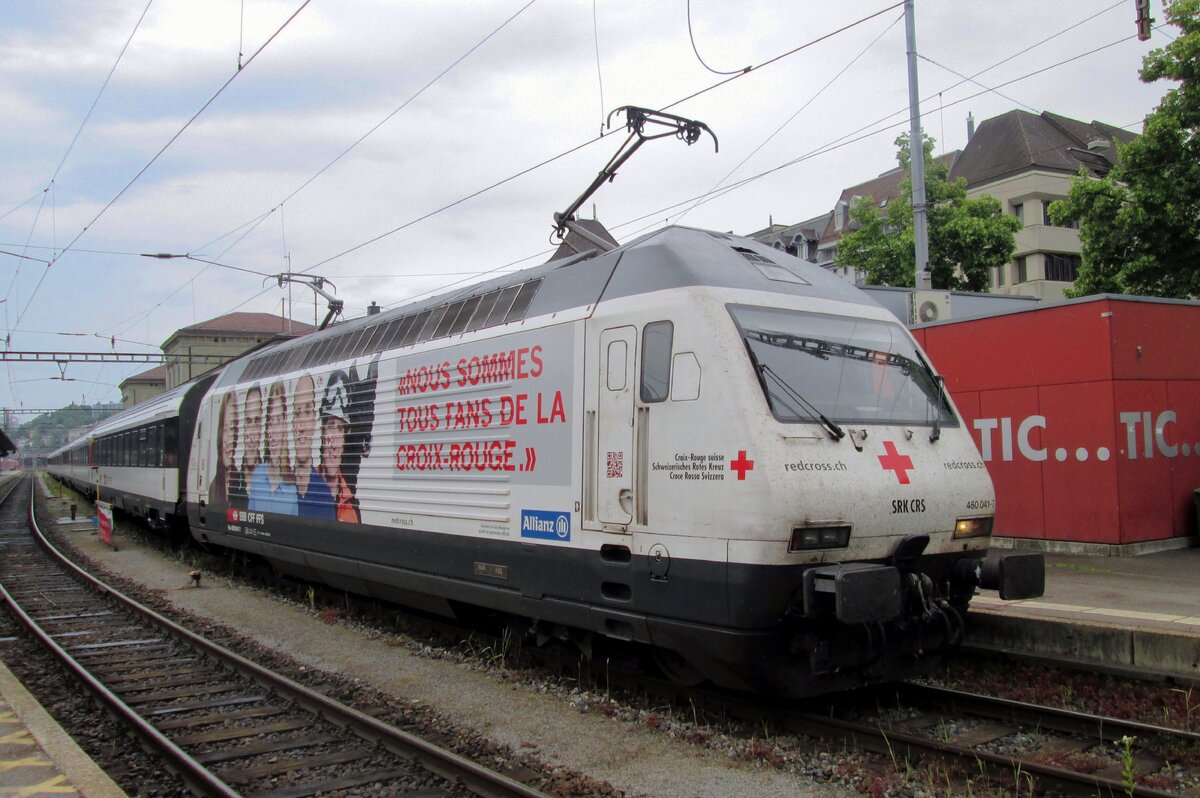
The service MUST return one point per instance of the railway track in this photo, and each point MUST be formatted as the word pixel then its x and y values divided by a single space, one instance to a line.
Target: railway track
pixel 1028 747
pixel 1024 748
pixel 225 725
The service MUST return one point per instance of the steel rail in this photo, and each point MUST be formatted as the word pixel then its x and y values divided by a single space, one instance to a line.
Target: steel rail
pixel 198 778
pixel 1106 728
pixel 439 761
pixel 901 746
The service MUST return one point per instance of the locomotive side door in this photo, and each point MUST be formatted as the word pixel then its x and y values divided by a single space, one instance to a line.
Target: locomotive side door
pixel 613 468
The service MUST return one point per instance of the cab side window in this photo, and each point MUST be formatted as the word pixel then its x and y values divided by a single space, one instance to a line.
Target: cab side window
pixel 656 360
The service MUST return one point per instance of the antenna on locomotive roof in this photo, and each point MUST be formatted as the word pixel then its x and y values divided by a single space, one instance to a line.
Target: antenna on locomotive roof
pixel 317 284
pixel 636 119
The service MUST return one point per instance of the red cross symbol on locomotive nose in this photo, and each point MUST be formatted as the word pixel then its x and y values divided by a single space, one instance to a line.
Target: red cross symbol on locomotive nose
pixel 894 461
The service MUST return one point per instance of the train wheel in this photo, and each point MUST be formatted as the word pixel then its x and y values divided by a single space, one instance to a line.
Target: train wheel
pixel 676 668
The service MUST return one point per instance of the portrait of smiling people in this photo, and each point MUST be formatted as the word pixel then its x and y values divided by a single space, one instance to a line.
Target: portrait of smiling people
pixel 228 486
pixel 273 483
pixel 252 430
pixel 314 499
pixel 335 427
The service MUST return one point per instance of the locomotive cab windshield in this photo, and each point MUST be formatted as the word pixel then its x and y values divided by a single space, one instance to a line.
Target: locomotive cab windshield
pixel 840 369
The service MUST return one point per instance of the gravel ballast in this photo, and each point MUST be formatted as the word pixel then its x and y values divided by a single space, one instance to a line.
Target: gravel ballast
pixel 530 719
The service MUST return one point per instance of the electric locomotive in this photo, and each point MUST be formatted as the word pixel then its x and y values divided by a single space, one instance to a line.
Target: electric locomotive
pixel 693 442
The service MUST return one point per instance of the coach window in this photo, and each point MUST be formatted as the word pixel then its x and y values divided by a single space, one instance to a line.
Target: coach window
pixel 171 443
pixel 155 459
pixel 656 360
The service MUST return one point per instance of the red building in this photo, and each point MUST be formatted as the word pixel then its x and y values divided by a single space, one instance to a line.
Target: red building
pixel 1087 414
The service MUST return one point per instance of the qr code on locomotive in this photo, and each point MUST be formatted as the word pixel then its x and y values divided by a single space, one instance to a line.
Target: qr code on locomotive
pixel 616 464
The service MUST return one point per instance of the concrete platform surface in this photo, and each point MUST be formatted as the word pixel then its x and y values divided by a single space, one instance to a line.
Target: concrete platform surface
pixel 1140 613
pixel 38 758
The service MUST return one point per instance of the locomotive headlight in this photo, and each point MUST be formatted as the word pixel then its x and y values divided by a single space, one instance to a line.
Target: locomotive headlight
pixel 973 527
pixel 805 538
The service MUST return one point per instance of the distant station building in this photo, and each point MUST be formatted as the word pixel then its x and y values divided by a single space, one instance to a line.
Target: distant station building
pixel 142 386
pixel 226 337
pixel 1087 415
pixel 221 339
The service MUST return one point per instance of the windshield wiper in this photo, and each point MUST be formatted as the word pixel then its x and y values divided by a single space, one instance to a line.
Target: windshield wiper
pixel 938 387
pixel 831 427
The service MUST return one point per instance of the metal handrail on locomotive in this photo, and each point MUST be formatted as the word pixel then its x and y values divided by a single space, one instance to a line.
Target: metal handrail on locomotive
pixel 692 442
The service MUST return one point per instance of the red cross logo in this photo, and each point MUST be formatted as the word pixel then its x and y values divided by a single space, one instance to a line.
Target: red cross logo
pixel 741 465
pixel 894 461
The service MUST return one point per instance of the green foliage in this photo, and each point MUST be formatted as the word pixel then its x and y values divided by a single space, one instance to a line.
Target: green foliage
pixel 51 430
pixel 967 237
pixel 1139 226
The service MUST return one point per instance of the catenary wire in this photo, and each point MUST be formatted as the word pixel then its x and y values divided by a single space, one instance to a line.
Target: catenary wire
pixel 259 219
pixel 836 144
pixel 799 110
pixel 253 224
pixel 75 138
pixel 157 155
pixel 599 74
pixel 503 267
pixel 692 39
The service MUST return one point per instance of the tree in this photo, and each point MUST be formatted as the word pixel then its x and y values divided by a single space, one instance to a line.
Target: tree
pixel 1139 226
pixel 967 237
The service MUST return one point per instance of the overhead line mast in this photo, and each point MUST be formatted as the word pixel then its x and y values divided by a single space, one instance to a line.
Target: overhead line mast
pixel 916 153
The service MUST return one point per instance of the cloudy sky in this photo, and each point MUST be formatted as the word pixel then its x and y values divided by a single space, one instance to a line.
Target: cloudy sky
pixel 380 143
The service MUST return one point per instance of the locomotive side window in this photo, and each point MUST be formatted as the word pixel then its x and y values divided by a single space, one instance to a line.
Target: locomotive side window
pixel 617 354
pixel 848 369
pixel 656 360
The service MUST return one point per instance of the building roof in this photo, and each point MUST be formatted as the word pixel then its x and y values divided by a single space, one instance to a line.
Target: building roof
pixel 156 374
pixel 243 324
pixel 881 189
pixel 1019 141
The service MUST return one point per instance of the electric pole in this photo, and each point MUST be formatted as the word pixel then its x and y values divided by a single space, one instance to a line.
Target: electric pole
pixel 916 152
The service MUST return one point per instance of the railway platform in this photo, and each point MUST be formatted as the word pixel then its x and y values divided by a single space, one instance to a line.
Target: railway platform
pixel 38 758
pixel 1139 613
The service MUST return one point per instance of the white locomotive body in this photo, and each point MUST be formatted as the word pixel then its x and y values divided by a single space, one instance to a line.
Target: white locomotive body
pixel 693 442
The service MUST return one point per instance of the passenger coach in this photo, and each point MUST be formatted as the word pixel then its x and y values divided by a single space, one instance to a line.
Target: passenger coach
pixel 136 459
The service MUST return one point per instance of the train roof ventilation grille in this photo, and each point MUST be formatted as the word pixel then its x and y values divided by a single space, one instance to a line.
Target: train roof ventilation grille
pixel 721 236
pixel 769 268
pixel 496 307
pixel 752 256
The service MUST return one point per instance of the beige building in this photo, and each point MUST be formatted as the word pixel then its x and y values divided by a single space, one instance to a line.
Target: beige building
pixel 143 386
pixel 1024 160
pixel 224 337
pixel 1027 161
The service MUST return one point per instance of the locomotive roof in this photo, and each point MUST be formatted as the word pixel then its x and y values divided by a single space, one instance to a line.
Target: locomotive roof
pixel 673 257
